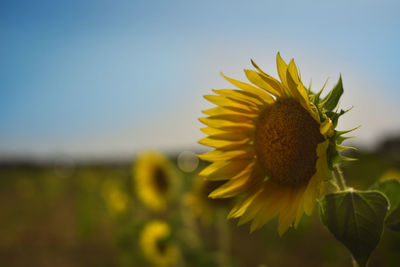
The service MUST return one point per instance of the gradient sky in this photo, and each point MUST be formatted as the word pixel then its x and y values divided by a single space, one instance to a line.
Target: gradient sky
pixel 100 77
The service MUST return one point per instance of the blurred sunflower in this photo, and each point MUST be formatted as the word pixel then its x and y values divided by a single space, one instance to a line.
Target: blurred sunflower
pixel 198 201
pixel 390 174
pixel 155 179
pixel 117 201
pixel 156 246
pixel 275 142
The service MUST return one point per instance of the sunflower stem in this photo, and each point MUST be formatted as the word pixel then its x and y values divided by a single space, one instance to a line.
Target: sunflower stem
pixel 339 177
pixel 342 184
pixel 223 240
pixel 354 262
pixel 193 237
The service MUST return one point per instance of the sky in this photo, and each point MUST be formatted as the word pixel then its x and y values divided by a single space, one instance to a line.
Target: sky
pixel 105 78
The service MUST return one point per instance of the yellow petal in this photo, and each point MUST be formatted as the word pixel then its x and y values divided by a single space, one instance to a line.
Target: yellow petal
pixel 252 210
pixel 314 185
pixel 258 68
pixel 223 170
pixel 300 209
pixel 250 168
pixel 300 212
pixel 274 202
pixel 218 123
pixel 274 83
pixel 326 128
pixel 237 134
pixel 242 205
pixel 257 79
pixel 296 78
pixel 282 69
pixel 215 166
pixel 225 102
pixel 222 144
pixel 303 92
pixel 232 187
pixel 292 86
pixel 218 155
pixel 239 127
pixel 233 118
pixel 243 95
pixel 289 213
pixel 322 161
pixel 314 111
pixel 251 89
pixel 293 71
pixel 216 111
pixel 310 195
pixel 212 131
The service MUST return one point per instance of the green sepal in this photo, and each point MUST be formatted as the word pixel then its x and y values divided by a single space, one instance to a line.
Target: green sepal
pixel 340 139
pixel 339 158
pixel 332 99
pixel 341 148
pixel 356 220
pixel 347 131
pixel 335 147
pixel 332 153
pixel 309 86
pixel 316 98
pixel 334 116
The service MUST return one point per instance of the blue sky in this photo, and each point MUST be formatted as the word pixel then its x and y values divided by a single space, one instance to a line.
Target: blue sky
pixel 115 77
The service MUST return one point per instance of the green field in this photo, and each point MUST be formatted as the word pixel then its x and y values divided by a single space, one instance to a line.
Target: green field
pixel 59 216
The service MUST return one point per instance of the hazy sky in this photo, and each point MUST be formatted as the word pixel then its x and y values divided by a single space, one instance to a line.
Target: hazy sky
pixel 107 77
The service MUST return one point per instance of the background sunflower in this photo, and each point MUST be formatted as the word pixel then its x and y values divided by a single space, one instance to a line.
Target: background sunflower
pixel 116 199
pixel 157 246
pixel 155 179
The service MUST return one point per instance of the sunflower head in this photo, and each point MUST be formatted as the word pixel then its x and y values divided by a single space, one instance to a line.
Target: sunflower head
pixel 275 142
pixel 156 244
pixel 117 201
pixel 155 179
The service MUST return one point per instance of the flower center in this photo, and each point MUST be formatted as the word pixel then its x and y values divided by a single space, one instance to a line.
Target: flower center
pixel 286 139
pixel 160 178
pixel 161 246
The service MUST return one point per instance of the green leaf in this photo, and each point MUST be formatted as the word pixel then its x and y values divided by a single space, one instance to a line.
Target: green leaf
pixel 332 99
pixel 356 220
pixel 393 220
pixel 391 188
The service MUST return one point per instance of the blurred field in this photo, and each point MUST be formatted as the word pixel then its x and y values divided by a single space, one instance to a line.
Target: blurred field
pixel 59 216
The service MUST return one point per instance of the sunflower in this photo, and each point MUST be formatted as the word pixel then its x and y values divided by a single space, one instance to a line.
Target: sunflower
pixel 200 204
pixel 391 174
pixel 275 142
pixel 155 179
pixel 117 201
pixel 156 246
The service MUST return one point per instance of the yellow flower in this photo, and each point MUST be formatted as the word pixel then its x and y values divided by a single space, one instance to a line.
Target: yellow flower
pixel 116 200
pixel 156 246
pixel 275 142
pixel 155 179
pixel 390 174
pixel 198 201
